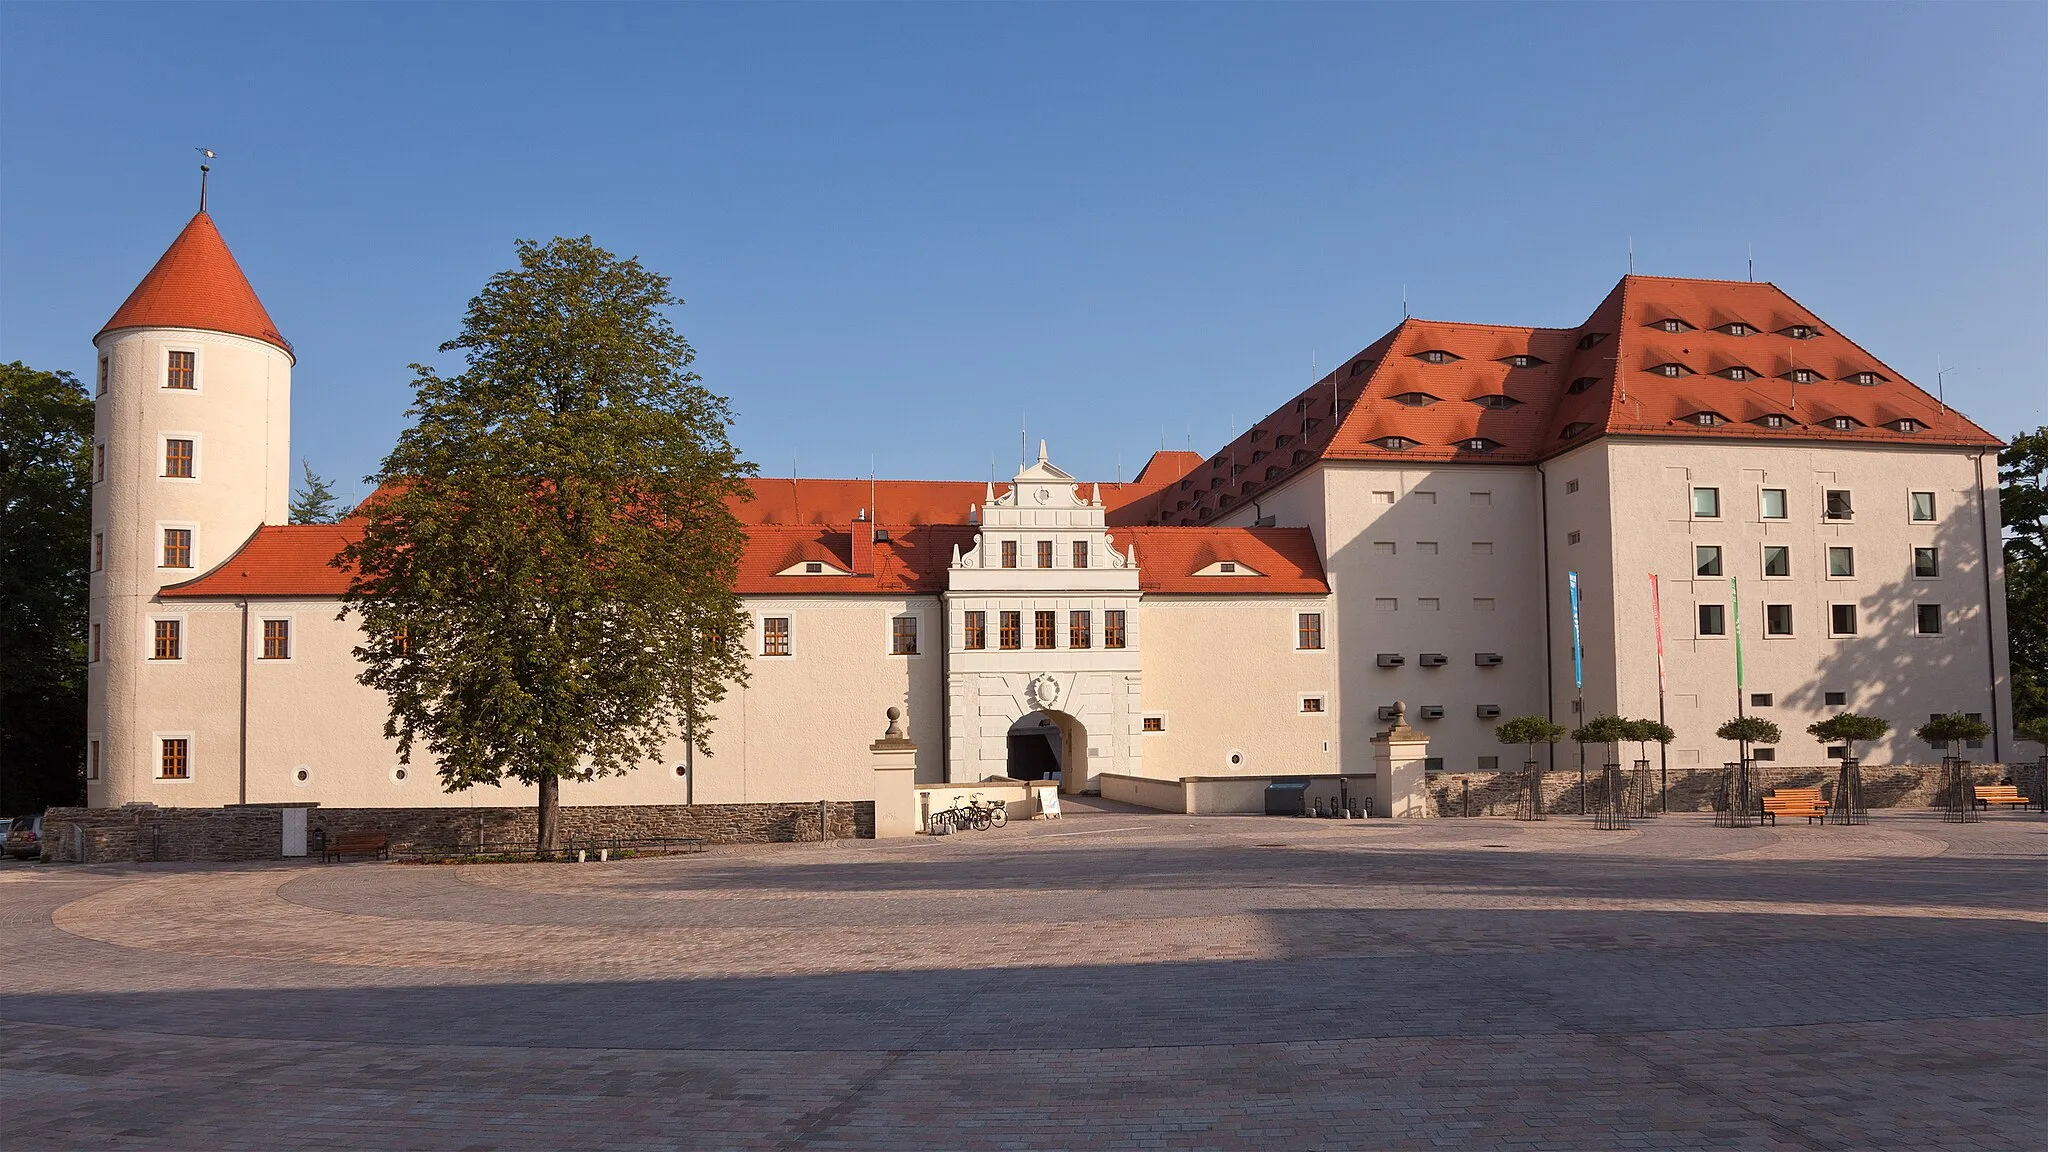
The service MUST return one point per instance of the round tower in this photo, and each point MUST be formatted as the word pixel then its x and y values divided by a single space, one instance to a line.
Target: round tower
pixel 191 454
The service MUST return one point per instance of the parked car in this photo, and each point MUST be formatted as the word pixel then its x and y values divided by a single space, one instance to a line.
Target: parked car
pixel 25 837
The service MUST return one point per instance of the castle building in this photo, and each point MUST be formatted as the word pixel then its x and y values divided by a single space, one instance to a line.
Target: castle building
pixel 1713 468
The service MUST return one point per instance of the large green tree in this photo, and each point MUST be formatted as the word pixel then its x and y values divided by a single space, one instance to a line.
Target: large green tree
pixel 45 519
pixel 545 579
pixel 2023 502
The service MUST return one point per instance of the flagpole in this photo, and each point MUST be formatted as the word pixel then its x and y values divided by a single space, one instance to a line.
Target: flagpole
pixel 1663 746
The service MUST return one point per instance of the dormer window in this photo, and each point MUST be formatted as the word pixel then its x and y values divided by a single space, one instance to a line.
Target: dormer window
pixel 1737 328
pixel 1185 483
pixel 1843 423
pixel 1803 376
pixel 1590 339
pixel 1310 424
pixel 1905 425
pixel 1415 399
pixel 1672 324
pixel 1301 456
pixel 1498 402
pixel 1582 384
pixel 1707 419
pixel 1773 420
pixel 1236 470
pixel 1361 367
pixel 1215 483
pixel 1672 370
pixel 1272 470
pixel 1479 444
pixel 1523 360
pixel 1282 440
pixel 1865 378
pixel 1395 443
pixel 1258 456
pixel 1575 429
pixel 1437 356
pixel 1736 373
pixel 1227 568
pixel 1800 331
pixel 1216 463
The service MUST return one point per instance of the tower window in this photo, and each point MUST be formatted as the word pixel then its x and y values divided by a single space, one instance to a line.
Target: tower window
pixel 1009 553
pixel 1308 631
pixel 103 378
pixel 1011 635
pixel 976 636
pixel 277 640
pixel 1113 628
pixel 168 640
pixel 1045 553
pixel 775 636
pixel 176 762
pixel 182 370
pixel 93 652
pixel 177 548
pixel 99 551
pixel 99 463
pixel 1081 629
pixel 903 636
pixel 178 459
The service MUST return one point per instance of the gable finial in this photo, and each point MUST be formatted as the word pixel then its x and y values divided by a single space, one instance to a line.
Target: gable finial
pixel 203 170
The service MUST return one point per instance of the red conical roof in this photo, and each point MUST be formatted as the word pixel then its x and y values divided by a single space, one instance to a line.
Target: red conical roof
pixel 197 284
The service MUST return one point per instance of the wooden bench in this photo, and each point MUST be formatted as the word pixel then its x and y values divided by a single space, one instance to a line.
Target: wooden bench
pixel 358 844
pixel 1989 794
pixel 1793 802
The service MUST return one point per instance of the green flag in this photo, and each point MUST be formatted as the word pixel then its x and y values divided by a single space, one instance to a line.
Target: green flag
pixel 1735 601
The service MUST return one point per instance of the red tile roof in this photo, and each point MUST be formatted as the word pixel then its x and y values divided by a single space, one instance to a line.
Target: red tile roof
pixel 279 560
pixel 912 502
pixel 197 284
pixel 1168 559
pixel 1612 358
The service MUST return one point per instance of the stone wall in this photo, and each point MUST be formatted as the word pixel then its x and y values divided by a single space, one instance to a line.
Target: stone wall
pixel 148 834
pixel 1693 789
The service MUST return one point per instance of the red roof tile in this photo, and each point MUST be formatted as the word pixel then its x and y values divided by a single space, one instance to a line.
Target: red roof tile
pixel 279 560
pixel 197 284
pixel 1168 559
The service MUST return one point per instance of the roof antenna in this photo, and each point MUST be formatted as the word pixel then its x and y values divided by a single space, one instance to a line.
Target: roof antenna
pixel 1631 254
pixel 203 170
pixel 1941 393
pixel 1752 262
pixel 1404 301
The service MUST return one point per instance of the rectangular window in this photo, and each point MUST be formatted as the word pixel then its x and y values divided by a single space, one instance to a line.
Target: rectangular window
pixel 92 748
pixel 1706 503
pixel 1763 752
pixel 1009 553
pixel 1011 630
pixel 169 640
pixel 1572 537
pixel 1311 703
pixel 1383 547
pixel 1081 630
pixel 1154 724
pixel 1426 497
pixel 177 759
pixel 1713 619
pixel 1706 560
pixel 1777 619
pixel 180 373
pixel 1429 603
pixel 277 640
pixel 1838 504
pixel 1777 560
pixel 1383 497
pixel 1386 604
pixel 99 463
pixel 775 636
pixel 1841 561
pixel 1479 499
pixel 1482 548
pixel 93 649
pixel 903 636
pixel 977 630
pixel 1080 553
pixel 1841 619
pixel 1571 486
pixel 1760 699
pixel 1308 631
pixel 1113 628
pixel 1977 716
pixel 1426 547
pixel 178 459
pixel 102 388
pixel 177 548
pixel 1835 699
pixel 1482 603
pixel 99 551
pixel 1926 562
pixel 1923 507
pixel 1489 763
pixel 1930 619
pixel 1043 628
pixel 1771 504
pixel 1045 553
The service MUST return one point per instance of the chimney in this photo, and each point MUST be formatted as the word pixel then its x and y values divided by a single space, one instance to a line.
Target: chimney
pixel 863 545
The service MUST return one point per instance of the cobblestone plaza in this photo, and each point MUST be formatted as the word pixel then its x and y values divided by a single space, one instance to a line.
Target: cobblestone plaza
pixel 1116 979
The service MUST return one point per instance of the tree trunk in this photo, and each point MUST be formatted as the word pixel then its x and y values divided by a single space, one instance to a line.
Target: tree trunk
pixel 550 813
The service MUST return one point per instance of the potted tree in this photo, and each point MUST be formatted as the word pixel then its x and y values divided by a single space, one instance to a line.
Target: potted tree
pixel 1611 731
pixel 1643 732
pixel 1960 800
pixel 1743 731
pixel 1848 729
pixel 1531 731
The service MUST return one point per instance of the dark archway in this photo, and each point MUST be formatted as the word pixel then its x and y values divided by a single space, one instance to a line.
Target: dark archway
pixel 1043 744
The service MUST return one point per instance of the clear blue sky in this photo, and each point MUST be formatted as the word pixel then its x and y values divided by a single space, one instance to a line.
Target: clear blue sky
pixel 903 230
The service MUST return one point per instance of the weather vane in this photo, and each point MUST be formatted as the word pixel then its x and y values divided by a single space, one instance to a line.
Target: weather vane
pixel 208 153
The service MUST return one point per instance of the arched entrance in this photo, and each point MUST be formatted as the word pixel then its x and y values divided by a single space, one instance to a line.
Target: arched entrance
pixel 1047 745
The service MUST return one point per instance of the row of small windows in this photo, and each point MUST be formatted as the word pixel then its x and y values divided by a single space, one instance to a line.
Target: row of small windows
pixel 1441 356
pixel 1497 402
pixel 1741 372
pixel 1736 328
pixel 1478 444
pixel 181 372
pixel 1777 561
pixel 1044 553
pixel 1836 504
pixel 167 640
pixel 1711 419
pixel 1843 620
pixel 1045 630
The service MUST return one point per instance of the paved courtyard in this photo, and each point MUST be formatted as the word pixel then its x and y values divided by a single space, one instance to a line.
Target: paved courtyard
pixel 1113 980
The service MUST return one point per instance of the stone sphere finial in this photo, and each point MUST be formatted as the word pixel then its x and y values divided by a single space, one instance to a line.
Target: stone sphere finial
pixel 895 731
pixel 1400 712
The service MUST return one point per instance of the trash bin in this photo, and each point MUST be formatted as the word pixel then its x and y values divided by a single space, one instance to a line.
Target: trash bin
pixel 1287 798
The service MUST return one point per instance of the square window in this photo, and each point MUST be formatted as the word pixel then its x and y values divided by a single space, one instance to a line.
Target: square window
pixel 1923 506
pixel 176 761
pixel 813 567
pixel 1760 699
pixel 182 371
pixel 1153 724
pixel 775 636
pixel 1227 567
pixel 903 636
pixel 1777 560
pixel 1080 553
pixel 1572 537
pixel 1081 629
pixel 1841 561
pixel 1841 619
pixel 1929 619
pixel 1777 619
pixel 1113 628
pixel 277 640
pixel 177 548
pixel 1313 704
pixel 1045 553
pixel 1042 629
pixel 1706 503
pixel 1926 562
pixel 1838 505
pixel 976 631
pixel 1308 631
pixel 1771 504
pixel 1706 560
pixel 1571 486
pixel 1713 619
pixel 1835 699
pixel 1012 637
pixel 178 459
pixel 1009 553
pixel 167 640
